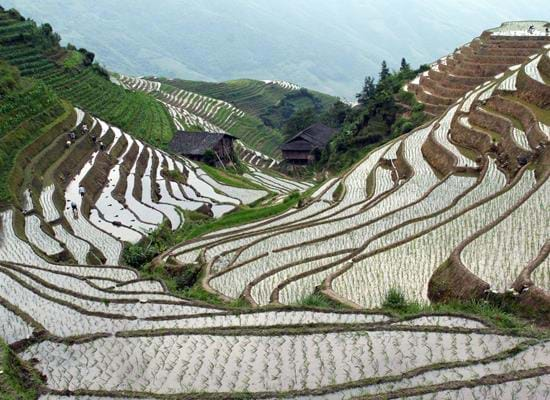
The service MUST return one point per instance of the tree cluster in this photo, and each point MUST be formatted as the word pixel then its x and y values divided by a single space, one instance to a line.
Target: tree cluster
pixel 383 111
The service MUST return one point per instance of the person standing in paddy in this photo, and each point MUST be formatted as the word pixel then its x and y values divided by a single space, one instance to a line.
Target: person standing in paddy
pixel 74 208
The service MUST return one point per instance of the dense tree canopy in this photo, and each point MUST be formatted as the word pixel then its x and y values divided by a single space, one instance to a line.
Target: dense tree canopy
pixel 384 111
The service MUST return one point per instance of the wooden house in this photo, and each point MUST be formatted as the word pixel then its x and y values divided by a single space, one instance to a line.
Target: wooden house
pixel 200 146
pixel 305 147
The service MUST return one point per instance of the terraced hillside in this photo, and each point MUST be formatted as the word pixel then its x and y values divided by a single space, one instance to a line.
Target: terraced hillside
pixel 271 101
pixel 457 209
pixel 186 109
pixel 102 331
pixel 251 110
pixel 192 111
pixel 492 53
pixel 36 52
pixel 28 109
pixel 442 212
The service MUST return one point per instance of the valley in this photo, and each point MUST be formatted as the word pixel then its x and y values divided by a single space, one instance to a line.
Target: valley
pixel 128 270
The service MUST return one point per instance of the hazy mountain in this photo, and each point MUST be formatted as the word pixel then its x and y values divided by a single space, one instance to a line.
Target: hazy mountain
pixel 329 45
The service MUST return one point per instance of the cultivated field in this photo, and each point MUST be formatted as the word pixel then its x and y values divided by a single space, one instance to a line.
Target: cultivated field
pixel 298 304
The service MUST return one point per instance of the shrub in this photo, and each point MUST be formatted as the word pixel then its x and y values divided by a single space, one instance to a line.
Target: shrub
pixel 137 255
pixel 88 56
pixel 210 157
pixel 187 277
pixel 395 299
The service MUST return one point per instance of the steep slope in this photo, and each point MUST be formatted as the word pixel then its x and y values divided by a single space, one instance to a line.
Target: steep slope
pixel 28 110
pixel 456 209
pixel 71 74
pixel 192 111
pixel 492 53
pixel 320 45
pixel 254 111
pixel 410 206
pixel 271 101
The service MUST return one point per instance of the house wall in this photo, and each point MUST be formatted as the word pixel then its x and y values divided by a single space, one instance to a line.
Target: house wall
pixel 224 148
pixel 298 157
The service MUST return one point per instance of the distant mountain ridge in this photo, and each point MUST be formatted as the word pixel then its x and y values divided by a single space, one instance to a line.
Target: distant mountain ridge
pixel 328 46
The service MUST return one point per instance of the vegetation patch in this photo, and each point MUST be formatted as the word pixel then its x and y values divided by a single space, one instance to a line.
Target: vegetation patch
pixel 385 111
pixel 26 113
pixel 73 59
pixel 319 300
pixel 18 381
pixel 230 177
pixel 499 315
pixel 160 240
pixel 73 75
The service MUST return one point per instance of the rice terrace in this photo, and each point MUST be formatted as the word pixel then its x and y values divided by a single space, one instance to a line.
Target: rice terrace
pixel 300 246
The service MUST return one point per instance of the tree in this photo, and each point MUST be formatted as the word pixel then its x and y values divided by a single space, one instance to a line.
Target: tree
pixel 88 56
pixel 368 91
pixel 299 121
pixel 336 115
pixel 384 71
pixel 405 66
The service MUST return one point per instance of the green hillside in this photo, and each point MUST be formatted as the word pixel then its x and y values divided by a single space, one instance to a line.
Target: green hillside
pixel 247 127
pixel 27 109
pixel 71 73
pixel 272 104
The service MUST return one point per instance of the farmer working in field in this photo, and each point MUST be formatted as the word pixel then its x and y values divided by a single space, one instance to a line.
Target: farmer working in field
pixel 74 207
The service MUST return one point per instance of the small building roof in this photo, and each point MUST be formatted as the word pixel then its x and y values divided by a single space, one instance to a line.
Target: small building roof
pixel 195 143
pixel 314 136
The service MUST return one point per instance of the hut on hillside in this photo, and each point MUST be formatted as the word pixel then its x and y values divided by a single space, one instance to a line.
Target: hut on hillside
pixel 306 146
pixel 204 146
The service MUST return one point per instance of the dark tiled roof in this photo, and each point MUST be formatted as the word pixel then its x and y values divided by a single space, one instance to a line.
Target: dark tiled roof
pixel 195 143
pixel 314 136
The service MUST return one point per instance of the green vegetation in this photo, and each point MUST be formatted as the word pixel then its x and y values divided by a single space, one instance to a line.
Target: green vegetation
pixel 266 102
pixel 71 74
pixel 191 289
pixel 543 115
pixel 319 300
pixel 500 315
pixel 395 300
pixel 27 107
pixel 17 381
pixel 247 127
pixel 245 215
pixel 74 58
pixel 266 107
pixel 384 112
pixel 230 177
pixel 9 77
pixel 158 241
pixel 334 117
pixel 186 281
